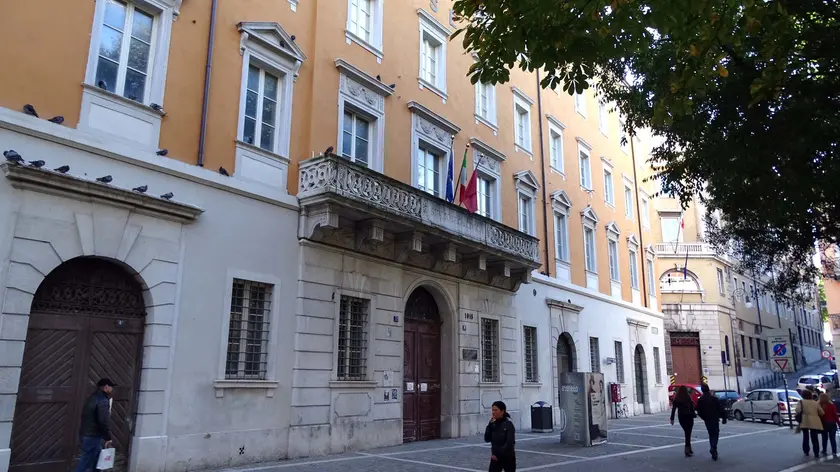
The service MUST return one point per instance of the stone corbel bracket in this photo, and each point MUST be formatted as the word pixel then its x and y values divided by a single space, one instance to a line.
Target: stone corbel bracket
pixel 77 188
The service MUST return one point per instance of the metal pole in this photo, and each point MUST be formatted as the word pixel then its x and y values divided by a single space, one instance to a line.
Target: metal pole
pixel 787 399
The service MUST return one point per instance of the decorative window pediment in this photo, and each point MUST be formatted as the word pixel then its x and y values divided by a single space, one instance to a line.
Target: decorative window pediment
pixel 589 216
pixel 633 241
pixel 274 39
pixel 649 251
pixel 526 180
pixel 583 143
pixel 613 229
pixel 486 158
pixel 560 198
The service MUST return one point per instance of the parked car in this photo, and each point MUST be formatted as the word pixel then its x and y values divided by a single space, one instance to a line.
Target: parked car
pixel 832 374
pixel 693 391
pixel 766 404
pixel 822 383
pixel 727 398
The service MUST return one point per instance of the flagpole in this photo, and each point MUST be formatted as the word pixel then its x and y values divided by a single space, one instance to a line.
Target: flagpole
pixel 460 173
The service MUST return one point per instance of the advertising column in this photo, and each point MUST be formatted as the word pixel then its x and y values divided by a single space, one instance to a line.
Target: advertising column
pixel 583 409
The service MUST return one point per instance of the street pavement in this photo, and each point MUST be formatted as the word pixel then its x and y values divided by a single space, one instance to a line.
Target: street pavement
pixel 641 443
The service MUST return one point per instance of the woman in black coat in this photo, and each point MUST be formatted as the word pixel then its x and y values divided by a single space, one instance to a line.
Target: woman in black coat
pixel 501 435
pixel 684 408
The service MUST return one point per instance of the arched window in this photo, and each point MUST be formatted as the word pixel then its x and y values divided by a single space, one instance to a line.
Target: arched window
pixel 676 280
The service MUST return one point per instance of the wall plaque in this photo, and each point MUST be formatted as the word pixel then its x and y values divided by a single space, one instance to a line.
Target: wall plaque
pixel 469 354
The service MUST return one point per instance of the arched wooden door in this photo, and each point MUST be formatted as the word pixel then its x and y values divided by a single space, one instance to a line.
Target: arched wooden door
pixel 86 322
pixel 421 368
pixel 565 354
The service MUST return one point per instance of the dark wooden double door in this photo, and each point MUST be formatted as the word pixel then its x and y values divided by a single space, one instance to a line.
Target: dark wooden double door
pixel 84 326
pixel 421 369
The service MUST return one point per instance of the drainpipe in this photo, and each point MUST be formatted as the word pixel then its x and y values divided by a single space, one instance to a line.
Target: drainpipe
pixel 208 68
pixel 639 221
pixel 542 171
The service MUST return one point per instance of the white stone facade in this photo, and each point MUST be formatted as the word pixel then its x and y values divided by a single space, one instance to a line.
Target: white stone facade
pixel 330 416
pixel 186 418
pixel 558 308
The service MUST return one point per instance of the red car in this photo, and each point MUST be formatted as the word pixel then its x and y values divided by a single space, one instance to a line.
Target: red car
pixel 693 391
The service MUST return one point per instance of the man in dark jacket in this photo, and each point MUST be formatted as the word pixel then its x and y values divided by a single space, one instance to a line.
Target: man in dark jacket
pixel 96 418
pixel 710 410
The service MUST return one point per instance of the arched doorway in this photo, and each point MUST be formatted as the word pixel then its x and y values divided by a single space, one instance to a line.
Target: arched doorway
pixel 86 322
pixel 566 354
pixel 421 368
pixel 640 369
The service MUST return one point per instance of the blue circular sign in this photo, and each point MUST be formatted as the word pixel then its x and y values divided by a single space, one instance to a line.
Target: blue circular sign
pixel 779 350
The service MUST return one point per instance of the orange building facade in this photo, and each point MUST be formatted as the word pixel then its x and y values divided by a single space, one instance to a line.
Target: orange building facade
pixel 258 152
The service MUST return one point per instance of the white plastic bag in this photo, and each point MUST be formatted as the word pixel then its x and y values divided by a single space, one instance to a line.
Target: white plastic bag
pixel 106 459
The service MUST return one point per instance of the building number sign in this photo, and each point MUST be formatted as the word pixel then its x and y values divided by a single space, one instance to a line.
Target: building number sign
pixel 469 316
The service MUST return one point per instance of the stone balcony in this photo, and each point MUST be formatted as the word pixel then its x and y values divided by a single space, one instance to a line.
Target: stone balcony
pixel 355 208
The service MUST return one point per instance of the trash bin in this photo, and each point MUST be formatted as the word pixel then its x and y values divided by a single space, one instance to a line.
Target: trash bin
pixel 542 419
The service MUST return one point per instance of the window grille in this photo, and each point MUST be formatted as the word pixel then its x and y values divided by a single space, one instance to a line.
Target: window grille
pixel 530 338
pixel 594 355
pixel 619 362
pixel 352 338
pixel 247 350
pixel 657 366
pixel 490 350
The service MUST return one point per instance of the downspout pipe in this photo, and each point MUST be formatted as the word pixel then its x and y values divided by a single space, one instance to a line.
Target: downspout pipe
pixel 542 172
pixel 639 221
pixel 211 39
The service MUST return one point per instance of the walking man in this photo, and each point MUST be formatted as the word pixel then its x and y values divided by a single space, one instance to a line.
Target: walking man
pixel 709 409
pixel 96 418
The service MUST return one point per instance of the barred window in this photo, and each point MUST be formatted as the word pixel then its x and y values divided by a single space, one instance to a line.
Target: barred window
pixel 657 366
pixel 619 362
pixel 530 338
pixel 490 350
pixel 352 338
pixel 247 349
pixel 594 355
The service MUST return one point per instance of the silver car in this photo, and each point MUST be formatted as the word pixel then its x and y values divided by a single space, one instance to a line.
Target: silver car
pixel 766 404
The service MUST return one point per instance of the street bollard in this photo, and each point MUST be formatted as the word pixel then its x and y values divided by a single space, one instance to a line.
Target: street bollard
pixel 752 411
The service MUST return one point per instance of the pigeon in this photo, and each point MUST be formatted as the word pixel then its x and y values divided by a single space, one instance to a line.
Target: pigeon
pixel 167 196
pixel 105 180
pixel 30 110
pixel 62 169
pixel 102 84
pixel 12 156
pixel 37 164
pixel 162 152
pixel 141 189
pixel 393 86
pixel 157 107
pixel 329 150
pixel 293 37
pixel 57 120
pixel 379 78
pixel 224 171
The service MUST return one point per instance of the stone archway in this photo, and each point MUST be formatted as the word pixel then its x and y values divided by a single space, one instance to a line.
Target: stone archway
pixel 86 322
pixel 640 380
pixel 566 354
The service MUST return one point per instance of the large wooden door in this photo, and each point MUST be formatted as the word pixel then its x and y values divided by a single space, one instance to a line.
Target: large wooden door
pixel 686 361
pixel 421 368
pixel 86 323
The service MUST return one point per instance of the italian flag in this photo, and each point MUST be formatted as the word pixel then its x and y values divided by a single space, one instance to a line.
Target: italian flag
pixel 469 190
pixel 462 176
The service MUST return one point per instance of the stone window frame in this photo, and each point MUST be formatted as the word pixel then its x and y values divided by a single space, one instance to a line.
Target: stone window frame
pixel 580 103
pixel 370 380
pixel 562 204
pixel 268 46
pixel 629 211
pixel 538 381
pixel 557 163
pixel 603 118
pixel 165 13
pixel 271 381
pixel 433 30
pixel 633 253
pixel 609 196
pixel 585 148
pixel 365 96
pixel 374 46
pixel 521 101
pixel 498 367
pixel 491 120
pixel 433 133
pixel 488 161
pixel 589 220
pixel 613 233
pixel 650 259
pixel 526 186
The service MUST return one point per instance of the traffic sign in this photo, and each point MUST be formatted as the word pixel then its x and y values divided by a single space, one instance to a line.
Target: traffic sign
pixel 782 354
pixel 826 354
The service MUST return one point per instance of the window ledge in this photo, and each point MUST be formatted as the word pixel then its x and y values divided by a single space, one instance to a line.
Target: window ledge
pixel 268 385
pixel 425 84
pixel 363 384
pixel 562 261
pixel 591 272
pixel 557 171
pixel 106 112
pixel 350 37
pixel 587 190
pixel 491 384
pixel 522 149
pixel 487 123
pixel 532 384
pixel 611 205
pixel 123 100
pixel 581 114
